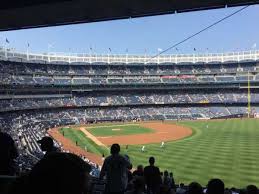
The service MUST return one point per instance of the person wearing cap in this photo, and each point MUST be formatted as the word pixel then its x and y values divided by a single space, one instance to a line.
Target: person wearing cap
pixel 47 145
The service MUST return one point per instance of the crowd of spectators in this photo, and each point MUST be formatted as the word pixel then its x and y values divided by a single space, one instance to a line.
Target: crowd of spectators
pixel 102 99
pixel 52 117
pixel 65 173
pixel 27 132
pixel 28 127
pixel 36 80
pixel 25 120
pixel 123 69
pixel 101 73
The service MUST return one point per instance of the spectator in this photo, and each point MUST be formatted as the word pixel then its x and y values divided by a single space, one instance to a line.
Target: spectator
pixel 115 168
pixel 152 177
pixel 227 191
pixel 166 190
pixel 242 191
pixel 139 171
pixel 139 186
pixel 166 180
pixel 130 175
pixel 181 189
pixel 47 145
pixel 58 173
pixel 172 181
pixel 234 190
pixel 251 189
pixel 8 152
pixel 161 174
pixel 195 188
pixel 166 186
pixel 215 186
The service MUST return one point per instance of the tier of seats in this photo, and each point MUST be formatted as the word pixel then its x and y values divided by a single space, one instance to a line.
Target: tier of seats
pixel 122 99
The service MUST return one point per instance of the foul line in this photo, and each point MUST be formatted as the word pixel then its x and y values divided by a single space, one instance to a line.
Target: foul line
pixel 93 138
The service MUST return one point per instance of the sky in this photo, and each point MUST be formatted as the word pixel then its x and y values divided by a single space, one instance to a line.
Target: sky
pixel 145 35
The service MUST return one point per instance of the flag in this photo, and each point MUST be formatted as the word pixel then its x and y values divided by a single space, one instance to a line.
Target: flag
pixel 110 49
pixel 7 41
pixel 28 44
pixel 91 48
pixel 194 49
pixel 254 46
pixel 159 50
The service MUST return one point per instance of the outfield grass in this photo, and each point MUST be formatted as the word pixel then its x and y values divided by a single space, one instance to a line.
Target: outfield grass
pixel 112 130
pixel 83 141
pixel 226 149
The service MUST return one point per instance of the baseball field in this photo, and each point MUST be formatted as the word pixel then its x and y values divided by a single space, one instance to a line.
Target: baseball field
pixel 193 150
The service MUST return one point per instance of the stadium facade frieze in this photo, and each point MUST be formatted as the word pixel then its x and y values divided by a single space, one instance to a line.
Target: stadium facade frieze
pixel 117 59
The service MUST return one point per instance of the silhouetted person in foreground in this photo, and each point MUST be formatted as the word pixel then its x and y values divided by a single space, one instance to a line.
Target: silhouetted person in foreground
pixel 167 180
pixel 181 189
pixel 138 186
pixel 173 186
pixel 195 188
pixel 130 174
pixel 58 173
pixel 8 152
pixel 139 171
pixel 115 169
pixel 251 189
pixel 47 145
pixel 152 177
pixel 215 186
pixel 166 184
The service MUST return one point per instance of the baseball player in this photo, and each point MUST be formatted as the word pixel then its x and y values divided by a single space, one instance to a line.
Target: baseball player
pixel 162 144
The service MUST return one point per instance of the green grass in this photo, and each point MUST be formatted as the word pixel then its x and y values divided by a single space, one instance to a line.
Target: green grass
pixel 102 131
pixel 83 141
pixel 227 150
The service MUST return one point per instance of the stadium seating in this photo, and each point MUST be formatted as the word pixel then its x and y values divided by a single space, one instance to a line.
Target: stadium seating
pixel 126 99
pixel 40 94
pixel 42 73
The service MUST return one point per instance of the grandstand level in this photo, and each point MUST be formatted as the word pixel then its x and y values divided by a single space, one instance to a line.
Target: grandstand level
pixel 43 91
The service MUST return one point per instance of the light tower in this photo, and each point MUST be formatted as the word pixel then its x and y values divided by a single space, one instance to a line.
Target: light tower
pixel 248 95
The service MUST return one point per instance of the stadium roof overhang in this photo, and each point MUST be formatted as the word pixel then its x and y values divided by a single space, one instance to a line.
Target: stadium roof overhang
pixel 19 14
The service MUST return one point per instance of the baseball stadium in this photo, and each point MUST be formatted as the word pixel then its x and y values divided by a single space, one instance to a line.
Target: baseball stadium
pixel 196 114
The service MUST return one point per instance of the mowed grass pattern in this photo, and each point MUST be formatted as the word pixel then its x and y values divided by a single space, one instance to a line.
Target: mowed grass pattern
pixel 227 149
pixel 116 130
pixel 83 141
